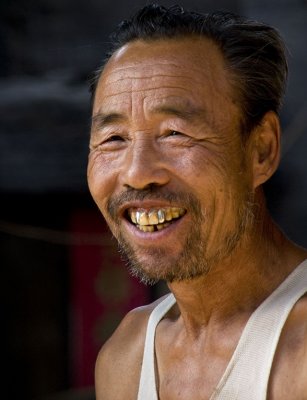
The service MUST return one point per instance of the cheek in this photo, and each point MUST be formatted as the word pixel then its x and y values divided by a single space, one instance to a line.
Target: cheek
pixel 102 177
pixel 219 184
pixel 205 173
pixel 206 159
pixel 190 164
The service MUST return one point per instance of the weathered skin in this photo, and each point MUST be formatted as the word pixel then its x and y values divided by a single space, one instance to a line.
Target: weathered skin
pixel 146 92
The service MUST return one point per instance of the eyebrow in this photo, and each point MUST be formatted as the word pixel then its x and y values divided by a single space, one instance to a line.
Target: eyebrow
pixel 100 120
pixel 183 112
pixel 187 113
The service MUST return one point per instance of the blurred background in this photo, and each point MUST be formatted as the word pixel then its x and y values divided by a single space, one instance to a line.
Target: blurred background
pixel 64 288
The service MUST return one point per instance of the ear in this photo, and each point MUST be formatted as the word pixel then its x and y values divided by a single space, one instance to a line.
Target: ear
pixel 265 148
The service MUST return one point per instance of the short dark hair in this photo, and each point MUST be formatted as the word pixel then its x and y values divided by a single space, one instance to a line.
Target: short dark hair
pixel 254 53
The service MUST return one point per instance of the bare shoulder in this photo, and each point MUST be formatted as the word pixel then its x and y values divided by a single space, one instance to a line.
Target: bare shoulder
pixel 298 318
pixel 119 361
pixel 290 362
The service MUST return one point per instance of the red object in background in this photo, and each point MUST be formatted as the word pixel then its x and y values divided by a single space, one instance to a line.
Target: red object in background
pixel 102 292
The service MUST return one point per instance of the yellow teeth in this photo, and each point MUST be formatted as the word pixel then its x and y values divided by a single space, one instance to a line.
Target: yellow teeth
pixel 155 217
pixel 162 226
pixel 142 218
pixel 146 228
pixel 168 214
pixel 133 217
pixel 151 228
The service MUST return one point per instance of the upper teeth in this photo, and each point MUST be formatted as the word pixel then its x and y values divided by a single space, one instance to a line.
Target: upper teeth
pixel 155 216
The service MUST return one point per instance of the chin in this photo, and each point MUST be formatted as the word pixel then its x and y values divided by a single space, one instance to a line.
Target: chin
pixel 158 265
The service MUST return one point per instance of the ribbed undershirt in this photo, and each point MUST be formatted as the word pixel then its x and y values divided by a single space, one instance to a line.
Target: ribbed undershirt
pixel 247 374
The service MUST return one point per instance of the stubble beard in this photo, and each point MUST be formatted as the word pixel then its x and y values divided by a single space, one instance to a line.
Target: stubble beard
pixel 157 264
pixel 153 265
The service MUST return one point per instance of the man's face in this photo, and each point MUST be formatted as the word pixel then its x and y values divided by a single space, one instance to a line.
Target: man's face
pixel 167 166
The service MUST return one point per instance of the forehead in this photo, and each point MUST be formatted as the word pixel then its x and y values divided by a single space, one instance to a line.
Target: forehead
pixel 184 70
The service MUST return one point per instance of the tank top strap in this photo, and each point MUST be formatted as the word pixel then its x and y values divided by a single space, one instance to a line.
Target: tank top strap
pixel 248 372
pixel 147 387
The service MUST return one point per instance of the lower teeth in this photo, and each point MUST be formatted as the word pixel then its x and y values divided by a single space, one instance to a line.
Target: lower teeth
pixel 152 228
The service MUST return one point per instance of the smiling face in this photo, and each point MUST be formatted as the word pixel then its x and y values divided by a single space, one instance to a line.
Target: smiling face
pixel 167 166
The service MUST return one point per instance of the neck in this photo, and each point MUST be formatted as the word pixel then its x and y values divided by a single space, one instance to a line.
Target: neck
pixel 238 284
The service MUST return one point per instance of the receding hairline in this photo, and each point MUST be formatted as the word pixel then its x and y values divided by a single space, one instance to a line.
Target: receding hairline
pixel 119 54
pixel 228 75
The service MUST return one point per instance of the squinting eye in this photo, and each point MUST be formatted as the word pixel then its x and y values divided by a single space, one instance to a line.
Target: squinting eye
pixel 174 133
pixel 114 138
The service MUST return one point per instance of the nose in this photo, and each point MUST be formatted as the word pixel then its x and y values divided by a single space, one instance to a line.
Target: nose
pixel 144 166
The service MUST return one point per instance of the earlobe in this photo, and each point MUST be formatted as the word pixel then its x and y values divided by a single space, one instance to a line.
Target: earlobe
pixel 265 148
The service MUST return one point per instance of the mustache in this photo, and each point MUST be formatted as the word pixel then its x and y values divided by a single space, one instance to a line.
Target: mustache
pixel 184 199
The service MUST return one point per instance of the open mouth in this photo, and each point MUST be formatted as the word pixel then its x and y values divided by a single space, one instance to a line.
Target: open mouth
pixel 154 219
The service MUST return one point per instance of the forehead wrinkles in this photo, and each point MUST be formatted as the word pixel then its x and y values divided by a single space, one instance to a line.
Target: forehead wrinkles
pixel 147 77
pixel 192 57
pixel 130 82
pixel 135 86
pixel 144 68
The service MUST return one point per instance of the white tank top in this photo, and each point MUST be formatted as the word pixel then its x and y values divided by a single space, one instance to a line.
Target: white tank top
pixel 254 352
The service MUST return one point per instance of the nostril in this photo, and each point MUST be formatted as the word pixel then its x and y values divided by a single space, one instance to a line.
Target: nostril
pixel 144 168
pixel 150 187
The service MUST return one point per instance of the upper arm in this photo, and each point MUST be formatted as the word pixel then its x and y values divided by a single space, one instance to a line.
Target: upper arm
pixel 289 368
pixel 119 361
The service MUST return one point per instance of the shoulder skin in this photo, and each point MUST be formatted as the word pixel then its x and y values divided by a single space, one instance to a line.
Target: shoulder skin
pixel 119 361
pixel 289 368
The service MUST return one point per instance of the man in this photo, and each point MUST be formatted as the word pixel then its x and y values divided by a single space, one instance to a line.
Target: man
pixel 185 131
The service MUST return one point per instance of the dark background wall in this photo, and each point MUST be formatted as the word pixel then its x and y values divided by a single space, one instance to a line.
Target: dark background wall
pixel 47 50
